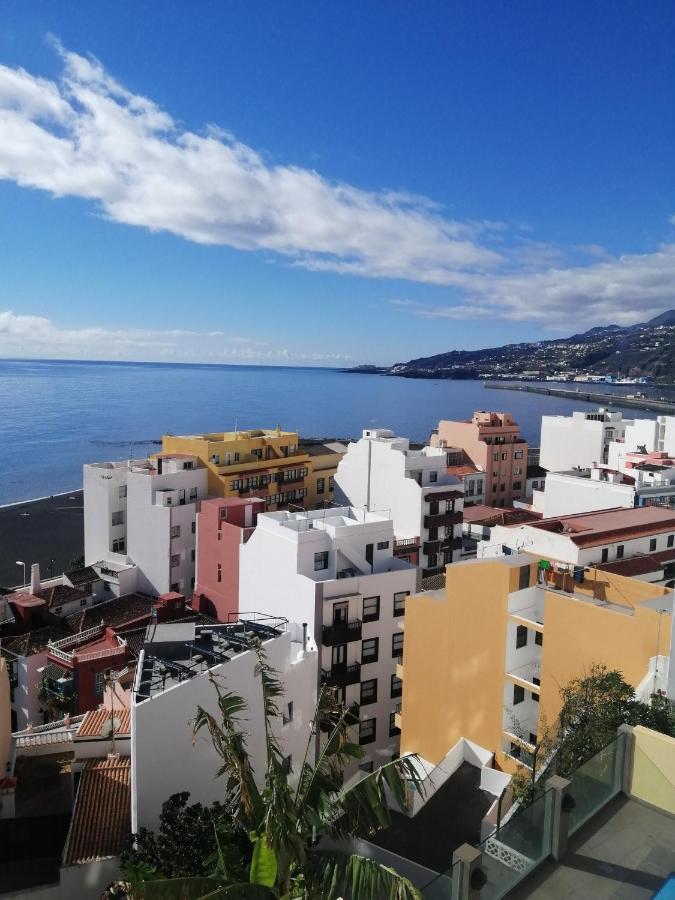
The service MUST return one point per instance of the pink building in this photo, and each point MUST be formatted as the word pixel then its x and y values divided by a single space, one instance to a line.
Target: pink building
pixel 223 525
pixel 490 441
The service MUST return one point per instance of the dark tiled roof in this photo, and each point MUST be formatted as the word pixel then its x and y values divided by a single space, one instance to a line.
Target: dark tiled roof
pixel 83 576
pixel 60 594
pixel 34 641
pixel 101 822
pixel 114 613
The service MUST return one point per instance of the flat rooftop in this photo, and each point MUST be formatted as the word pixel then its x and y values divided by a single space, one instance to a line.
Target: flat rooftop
pixel 177 652
pixel 626 851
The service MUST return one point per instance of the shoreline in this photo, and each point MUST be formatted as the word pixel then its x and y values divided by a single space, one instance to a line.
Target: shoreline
pixel 40 499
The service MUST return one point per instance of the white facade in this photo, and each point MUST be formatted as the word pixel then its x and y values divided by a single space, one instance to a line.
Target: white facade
pixel 565 494
pixel 653 434
pixel 474 488
pixel 164 760
pixel 143 514
pixel 558 544
pixel 335 570
pixel 579 440
pixel 380 473
pixel 25 705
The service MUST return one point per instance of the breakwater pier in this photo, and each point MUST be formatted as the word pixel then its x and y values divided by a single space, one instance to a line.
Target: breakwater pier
pixel 652 404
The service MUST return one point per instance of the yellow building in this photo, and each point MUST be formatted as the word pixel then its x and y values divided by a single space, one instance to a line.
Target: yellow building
pixel 273 464
pixel 485 657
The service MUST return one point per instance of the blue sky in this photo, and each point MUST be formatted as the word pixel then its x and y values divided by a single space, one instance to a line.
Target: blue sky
pixel 320 184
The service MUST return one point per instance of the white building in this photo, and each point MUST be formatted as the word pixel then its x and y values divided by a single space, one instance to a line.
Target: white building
pixel 142 514
pixel 588 538
pixel 654 435
pixel 579 440
pixel 175 675
pixel 381 473
pixel 335 570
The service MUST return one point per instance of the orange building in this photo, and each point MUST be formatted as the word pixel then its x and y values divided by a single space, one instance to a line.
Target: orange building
pixel 491 442
pixel 485 656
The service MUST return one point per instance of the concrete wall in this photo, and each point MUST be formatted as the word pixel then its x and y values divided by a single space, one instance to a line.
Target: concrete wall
pixel 5 716
pixel 102 497
pixel 164 760
pixel 574 441
pixel 88 880
pixel 653 769
pixel 566 495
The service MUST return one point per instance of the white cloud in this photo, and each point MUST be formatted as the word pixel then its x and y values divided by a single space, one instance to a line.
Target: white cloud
pixel 88 136
pixel 38 337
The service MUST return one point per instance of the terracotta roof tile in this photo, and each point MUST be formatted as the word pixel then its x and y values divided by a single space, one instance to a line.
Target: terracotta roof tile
pixel 96 722
pixel 34 641
pixel 101 822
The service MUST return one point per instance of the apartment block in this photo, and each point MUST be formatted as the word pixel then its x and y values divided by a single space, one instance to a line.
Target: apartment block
pixel 272 464
pixel 580 440
pixel 335 571
pixel 491 442
pixel 175 674
pixel 651 435
pixel 381 472
pixel 139 520
pixel 587 538
pixel 486 657
pixel 223 526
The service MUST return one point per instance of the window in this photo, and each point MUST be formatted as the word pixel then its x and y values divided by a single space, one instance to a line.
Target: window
pixel 83 601
pixel 220 573
pixel 433 476
pixel 193 493
pixel 504 456
pixel 194 527
pixel 382 545
pixel 367 731
pixel 535 697
pixel 495 457
pixel 122 491
pixel 524 578
pixel 517 485
pixel 619 551
pixel 175 560
pixel 287 716
pixel 533 739
pixel 397 644
pixel 515 751
pixel 518 694
pixel 192 555
pixel 371 609
pixel 175 587
pixel 287 764
pixel 671 540
pixel 256 454
pixel 399 602
pixel 119 545
pixel 331 483
pixel 320 485
pixel 604 555
pixel 236 457
pixel 502 487
pixel 369 691
pixel 99 682
pixel 321 561
pixel 366 766
pixel 396 686
pixel 175 531
pixel 652 544
pixel 189 465
pixel 118 517
pixel 517 470
pixel 393 728
pixel 521 637
pixel 518 454
pixel 370 650
pixel 539 638
pixel 432 560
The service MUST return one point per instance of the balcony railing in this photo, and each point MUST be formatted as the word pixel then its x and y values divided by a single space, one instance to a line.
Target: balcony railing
pixel 438 519
pixel 406 545
pixel 342 633
pixel 341 676
pixel 449 543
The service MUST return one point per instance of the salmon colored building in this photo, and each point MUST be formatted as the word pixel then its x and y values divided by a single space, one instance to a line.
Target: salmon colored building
pixel 485 657
pixel 223 525
pixel 491 442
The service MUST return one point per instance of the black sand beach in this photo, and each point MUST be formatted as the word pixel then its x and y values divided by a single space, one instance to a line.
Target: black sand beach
pixel 38 530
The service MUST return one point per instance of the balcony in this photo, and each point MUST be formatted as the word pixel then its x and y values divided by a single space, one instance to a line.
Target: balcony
pixel 406 545
pixel 437 570
pixel 341 633
pixel 397 716
pixel 439 519
pixel 442 544
pixel 341 676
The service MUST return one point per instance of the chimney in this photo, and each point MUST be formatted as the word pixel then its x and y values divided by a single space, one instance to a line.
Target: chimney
pixel 35 585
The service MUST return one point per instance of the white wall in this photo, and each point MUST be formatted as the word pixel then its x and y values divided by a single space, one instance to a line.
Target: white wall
pixel 566 495
pixel 574 441
pixel 26 702
pixel 164 760
pixel 102 483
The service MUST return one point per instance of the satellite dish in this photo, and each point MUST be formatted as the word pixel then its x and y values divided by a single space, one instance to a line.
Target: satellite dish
pixel 110 727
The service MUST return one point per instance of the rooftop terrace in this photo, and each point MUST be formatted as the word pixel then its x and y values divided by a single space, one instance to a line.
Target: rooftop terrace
pixel 173 653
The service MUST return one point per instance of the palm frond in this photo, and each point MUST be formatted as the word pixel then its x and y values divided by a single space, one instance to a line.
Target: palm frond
pixel 339 874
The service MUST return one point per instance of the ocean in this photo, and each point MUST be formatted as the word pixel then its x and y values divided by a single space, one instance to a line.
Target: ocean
pixel 55 416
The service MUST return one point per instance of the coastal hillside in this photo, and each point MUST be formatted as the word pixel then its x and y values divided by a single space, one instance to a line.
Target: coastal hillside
pixel 645 350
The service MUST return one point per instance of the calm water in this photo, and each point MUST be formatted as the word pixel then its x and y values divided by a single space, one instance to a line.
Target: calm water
pixel 55 416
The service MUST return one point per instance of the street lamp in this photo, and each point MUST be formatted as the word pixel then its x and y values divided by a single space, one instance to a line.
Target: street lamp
pixel 19 563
